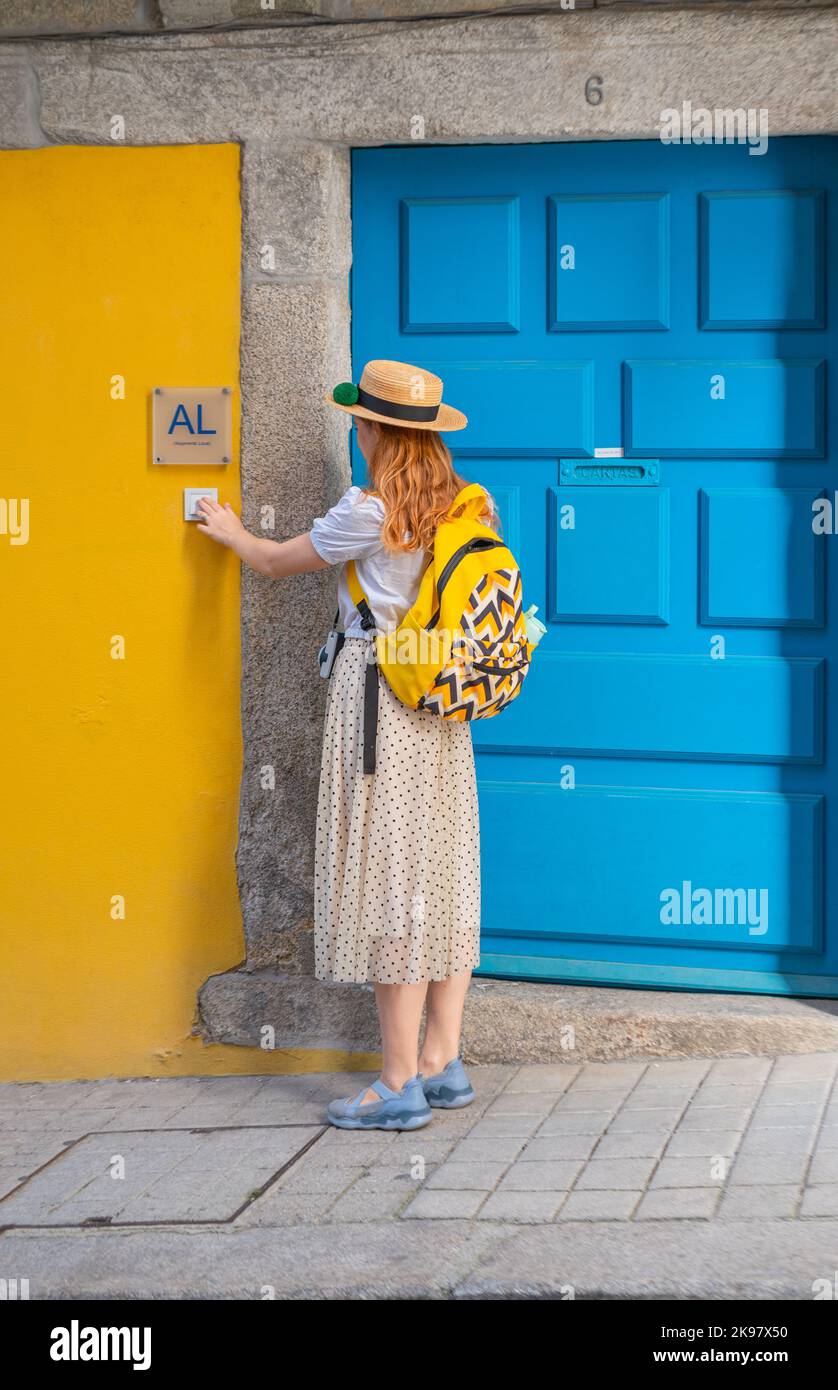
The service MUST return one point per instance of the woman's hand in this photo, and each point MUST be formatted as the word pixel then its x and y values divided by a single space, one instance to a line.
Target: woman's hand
pixel 273 558
pixel 220 523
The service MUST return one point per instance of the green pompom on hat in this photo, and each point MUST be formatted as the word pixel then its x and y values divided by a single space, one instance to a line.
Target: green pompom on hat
pixel 345 393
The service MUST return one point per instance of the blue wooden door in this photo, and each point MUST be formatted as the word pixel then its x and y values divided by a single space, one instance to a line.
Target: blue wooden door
pixel 640 336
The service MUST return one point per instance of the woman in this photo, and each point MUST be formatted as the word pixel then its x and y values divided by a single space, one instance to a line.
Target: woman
pixel 397 865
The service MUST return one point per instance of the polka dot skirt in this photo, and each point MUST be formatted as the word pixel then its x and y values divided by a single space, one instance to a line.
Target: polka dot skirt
pixel 397 852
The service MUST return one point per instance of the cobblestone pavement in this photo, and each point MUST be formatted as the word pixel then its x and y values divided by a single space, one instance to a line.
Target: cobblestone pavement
pixel 687 1178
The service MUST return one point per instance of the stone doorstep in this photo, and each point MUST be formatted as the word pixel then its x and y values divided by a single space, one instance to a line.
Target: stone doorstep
pixel 517 1022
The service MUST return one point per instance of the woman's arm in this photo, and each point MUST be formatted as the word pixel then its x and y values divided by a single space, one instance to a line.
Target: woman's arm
pixel 276 559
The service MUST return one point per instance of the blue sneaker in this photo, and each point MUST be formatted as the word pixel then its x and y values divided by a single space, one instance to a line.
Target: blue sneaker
pixel 404 1109
pixel 450 1089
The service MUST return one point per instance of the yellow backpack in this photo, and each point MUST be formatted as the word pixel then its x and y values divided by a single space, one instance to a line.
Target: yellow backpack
pixel 463 650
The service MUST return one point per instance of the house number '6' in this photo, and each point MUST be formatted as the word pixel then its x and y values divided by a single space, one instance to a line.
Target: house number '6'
pixel 593 91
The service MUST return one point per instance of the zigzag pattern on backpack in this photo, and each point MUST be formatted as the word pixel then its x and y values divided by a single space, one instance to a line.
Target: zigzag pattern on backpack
pixel 494 633
pixel 497 607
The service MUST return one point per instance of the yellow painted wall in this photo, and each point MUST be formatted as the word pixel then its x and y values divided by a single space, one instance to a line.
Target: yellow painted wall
pixel 118 777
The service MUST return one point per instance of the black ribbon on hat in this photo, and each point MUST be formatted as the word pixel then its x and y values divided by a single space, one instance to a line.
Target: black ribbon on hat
pixel 398 412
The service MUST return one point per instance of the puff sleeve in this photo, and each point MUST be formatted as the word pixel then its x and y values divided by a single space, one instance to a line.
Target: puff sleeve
pixel 350 530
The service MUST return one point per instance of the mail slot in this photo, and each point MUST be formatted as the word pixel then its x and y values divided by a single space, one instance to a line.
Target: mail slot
pixel 609 472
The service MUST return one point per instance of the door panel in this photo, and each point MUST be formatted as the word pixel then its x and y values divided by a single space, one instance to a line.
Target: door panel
pixel 459 265
pixel 785 279
pixel 612 564
pixel 668 770
pixel 630 234
pixel 725 409
pixel 719 825
pixel 545 404
pixel 787 588
pixel 745 708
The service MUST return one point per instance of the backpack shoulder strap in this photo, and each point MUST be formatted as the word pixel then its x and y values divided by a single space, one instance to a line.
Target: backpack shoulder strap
pixel 358 596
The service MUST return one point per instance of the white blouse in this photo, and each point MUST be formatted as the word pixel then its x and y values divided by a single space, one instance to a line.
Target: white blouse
pixel 351 530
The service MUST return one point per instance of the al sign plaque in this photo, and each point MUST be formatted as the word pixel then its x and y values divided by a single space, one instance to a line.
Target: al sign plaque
pixel 192 424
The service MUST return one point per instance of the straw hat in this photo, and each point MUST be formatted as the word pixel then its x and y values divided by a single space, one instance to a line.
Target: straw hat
pixel 397 393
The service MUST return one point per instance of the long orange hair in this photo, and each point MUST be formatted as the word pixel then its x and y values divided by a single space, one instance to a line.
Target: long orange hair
pixel 413 474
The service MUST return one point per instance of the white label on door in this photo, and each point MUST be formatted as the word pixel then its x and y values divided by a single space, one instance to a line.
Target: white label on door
pixel 608 453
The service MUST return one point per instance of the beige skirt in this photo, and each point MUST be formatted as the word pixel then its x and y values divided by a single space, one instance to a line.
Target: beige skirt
pixel 397 852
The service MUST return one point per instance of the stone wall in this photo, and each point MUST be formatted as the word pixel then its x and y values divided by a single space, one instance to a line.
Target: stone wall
pixel 297 99
pixel 62 17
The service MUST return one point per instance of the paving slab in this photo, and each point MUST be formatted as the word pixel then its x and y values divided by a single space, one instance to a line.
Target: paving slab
pixel 496 1149
pixel 824 1167
pixel 599 1206
pixel 696 1171
pixel 543 1077
pixel 695 1143
pixel 678 1203
pixel 634 1144
pixel 159 1175
pixel 715 1117
pixel 521 1206
pixel 440 1206
pixel 474 1177
pixel 762 1203
pixel 820 1201
pixel 540 1177
pixel 756 1171
pixel 556 1148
